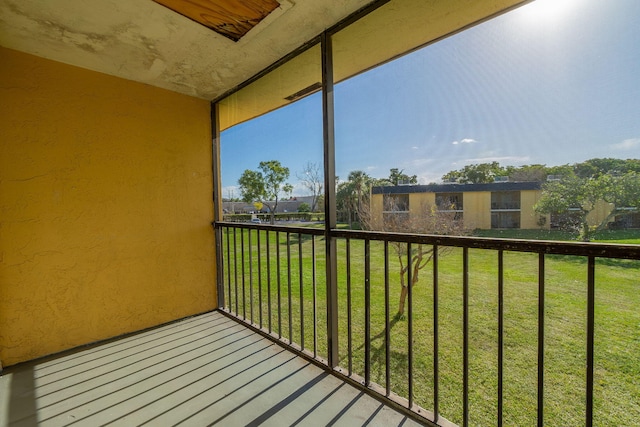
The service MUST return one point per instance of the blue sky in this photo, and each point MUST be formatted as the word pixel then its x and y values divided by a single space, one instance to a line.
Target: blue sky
pixel 553 82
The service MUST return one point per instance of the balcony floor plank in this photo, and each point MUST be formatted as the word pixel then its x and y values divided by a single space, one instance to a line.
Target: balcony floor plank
pixel 205 370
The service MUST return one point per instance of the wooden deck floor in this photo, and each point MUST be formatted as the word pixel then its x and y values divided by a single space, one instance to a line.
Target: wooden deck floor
pixel 206 370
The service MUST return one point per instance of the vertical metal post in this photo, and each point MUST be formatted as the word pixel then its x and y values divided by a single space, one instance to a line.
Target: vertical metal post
pixel 436 367
pixel 259 278
pixel 387 328
pixel 235 268
pixel 228 269
pixel 591 297
pixel 500 333
pixel 269 314
pixel 315 305
pixel 217 205
pixel 541 339
pixel 289 304
pixel 250 276
pixel 279 284
pixel 300 277
pixel 465 336
pixel 367 312
pixel 329 199
pixel 349 310
pixel 244 293
pixel 410 323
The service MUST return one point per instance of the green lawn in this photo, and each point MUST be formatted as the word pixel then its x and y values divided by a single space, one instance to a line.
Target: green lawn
pixel 617 373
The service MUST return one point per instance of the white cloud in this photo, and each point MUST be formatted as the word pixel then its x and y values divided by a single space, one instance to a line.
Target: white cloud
pixel 464 141
pixel 627 144
pixel 415 147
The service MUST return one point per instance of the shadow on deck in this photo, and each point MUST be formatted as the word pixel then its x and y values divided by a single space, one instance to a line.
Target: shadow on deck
pixel 205 370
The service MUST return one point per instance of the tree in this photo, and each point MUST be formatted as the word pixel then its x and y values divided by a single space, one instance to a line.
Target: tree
pixel 265 185
pixel 397 177
pixel 429 220
pixel 350 194
pixel 594 168
pixel 312 179
pixel 529 173
pixel 582 195
pixel 476 173
pixel 304 207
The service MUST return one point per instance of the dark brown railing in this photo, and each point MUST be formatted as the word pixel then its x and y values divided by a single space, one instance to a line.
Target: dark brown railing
pixel 273 278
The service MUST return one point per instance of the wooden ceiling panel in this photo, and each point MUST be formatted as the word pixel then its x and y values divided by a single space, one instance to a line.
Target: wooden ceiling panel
pixel 231 18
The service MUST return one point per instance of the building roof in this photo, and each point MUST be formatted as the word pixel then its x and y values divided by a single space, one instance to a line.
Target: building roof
pixel 458 188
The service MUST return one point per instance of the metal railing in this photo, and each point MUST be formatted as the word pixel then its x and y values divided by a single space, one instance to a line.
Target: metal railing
pixel 424 360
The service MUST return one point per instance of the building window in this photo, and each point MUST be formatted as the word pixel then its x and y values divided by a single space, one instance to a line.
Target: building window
pixel 630 220
pixel 396 203
pixel 505 209
pixel 505 219
pixel 449 201
pixel 505 200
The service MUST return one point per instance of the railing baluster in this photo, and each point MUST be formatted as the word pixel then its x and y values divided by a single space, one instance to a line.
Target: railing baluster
pixel 300 277
pixel 591 297
pixel 465 336
pixel 410 322
pixel 250 252
pixel 349 341
pixel 367 312
pixel 500 333
pixel 387 328
pixel 541 339
pixel 242 265
pixel 235 267
pixel 436 367
pixel 289 305
pixel 269 314
pixel 242 269
pixel 259 277
pixel 228 270
pixel 315 306
pixel 279 284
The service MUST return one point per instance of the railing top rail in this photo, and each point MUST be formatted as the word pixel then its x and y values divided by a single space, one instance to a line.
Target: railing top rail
pixel 263 226
pixel 601 250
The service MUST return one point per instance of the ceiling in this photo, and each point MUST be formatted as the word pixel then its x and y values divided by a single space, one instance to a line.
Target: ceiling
pixel 144 41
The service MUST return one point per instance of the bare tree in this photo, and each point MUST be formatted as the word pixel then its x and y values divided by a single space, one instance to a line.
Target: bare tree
pixel 313 180
pixel 429 219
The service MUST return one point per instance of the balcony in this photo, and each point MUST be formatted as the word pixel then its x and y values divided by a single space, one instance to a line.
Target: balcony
pixel 204 370
pixel 106 185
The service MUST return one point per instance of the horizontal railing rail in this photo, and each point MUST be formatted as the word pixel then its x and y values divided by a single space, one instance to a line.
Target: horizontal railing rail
pixel 468 314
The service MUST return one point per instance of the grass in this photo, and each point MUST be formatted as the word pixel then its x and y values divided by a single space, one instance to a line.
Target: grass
pixel 617 333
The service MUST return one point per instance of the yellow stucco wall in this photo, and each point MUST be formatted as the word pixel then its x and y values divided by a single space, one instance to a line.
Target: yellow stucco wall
pixel 477 210
pixel 420 203
pixel 528 216
pixel 105 207
pixel 376 208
